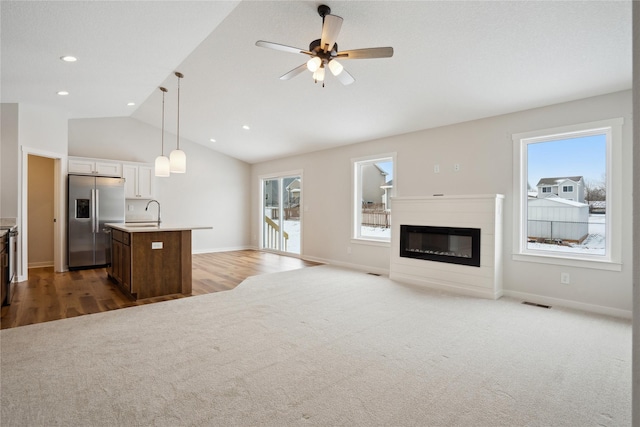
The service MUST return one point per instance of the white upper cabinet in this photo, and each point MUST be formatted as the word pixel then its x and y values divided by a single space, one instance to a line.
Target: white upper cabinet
pixel 139 181
pixel 95 167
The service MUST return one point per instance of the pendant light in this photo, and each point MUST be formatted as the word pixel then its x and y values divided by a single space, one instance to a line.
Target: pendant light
pixel 162 161
pixel 177 157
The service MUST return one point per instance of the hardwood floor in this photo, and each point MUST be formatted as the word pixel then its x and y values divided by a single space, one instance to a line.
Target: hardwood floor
pixel 50 296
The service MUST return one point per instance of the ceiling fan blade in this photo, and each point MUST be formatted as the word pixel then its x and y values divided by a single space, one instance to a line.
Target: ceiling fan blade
pixel 330 30
pixel 345 78
pixel 291 74
pixel 282 47
pixel 372 52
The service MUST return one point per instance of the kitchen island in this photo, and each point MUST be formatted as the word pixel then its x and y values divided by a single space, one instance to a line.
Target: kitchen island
pixel 150 260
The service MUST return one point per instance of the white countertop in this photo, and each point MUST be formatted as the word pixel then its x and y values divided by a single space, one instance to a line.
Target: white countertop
pixel 142 227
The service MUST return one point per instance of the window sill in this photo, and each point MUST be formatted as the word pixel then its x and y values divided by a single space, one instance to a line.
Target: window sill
pixel 570 262
pixel 371 242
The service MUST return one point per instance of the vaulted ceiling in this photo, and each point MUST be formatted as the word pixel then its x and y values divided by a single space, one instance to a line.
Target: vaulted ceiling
pixel 453 61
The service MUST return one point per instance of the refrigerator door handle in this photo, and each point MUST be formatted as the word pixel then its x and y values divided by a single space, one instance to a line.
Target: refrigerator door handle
pixel 97 220
pixel 93 210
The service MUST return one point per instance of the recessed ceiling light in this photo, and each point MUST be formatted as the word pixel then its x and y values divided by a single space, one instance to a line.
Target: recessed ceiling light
pixel 69 58
pixel 130 104
pixel 245 127
pixel 63 93
pixel 212 140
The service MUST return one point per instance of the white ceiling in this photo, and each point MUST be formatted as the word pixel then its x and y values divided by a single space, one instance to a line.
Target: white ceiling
pixel 454 61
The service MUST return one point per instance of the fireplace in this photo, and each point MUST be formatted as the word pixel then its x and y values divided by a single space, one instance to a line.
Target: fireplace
pixel 443 244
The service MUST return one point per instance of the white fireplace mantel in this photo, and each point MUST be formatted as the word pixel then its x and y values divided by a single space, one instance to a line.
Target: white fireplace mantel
pixel 467 211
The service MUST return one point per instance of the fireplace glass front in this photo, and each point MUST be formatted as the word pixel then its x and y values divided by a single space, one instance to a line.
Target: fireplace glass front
pixel 442 244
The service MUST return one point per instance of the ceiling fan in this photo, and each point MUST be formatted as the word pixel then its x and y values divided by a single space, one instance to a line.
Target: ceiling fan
pixel 324 51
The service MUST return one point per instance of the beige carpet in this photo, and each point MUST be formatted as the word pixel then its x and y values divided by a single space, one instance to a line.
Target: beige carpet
pixel 320 346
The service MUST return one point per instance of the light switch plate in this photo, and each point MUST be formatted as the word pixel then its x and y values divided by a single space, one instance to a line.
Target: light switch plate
pixel 156 245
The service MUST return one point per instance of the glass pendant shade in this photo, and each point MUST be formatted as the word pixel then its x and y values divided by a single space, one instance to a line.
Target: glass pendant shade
pixel 335 67
pixel 318 75
pixel 314 63
pixel 178 161
pixel 162 166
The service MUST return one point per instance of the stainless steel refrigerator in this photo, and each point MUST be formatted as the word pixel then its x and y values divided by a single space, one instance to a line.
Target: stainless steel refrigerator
pixel 93 201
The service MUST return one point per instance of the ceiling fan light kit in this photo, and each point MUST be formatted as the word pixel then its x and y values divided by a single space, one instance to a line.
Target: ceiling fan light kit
pixel 324 51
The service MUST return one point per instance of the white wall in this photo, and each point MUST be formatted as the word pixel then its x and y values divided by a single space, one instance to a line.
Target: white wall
pixel 213 192
pixel 9 159
pixel 636 215
pixel 483 148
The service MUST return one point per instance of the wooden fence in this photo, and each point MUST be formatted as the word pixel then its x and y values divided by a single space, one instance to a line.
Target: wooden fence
pixel 375 215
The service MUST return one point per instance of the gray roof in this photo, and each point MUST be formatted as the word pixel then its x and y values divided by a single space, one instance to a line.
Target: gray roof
pixel 553 181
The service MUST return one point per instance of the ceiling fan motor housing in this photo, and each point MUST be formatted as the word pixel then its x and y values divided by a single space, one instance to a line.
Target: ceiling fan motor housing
pixel 314 47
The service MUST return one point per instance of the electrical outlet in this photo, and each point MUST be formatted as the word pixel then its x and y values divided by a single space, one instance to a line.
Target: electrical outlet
pixel 436 168
pixel 565 279
pixel 456 167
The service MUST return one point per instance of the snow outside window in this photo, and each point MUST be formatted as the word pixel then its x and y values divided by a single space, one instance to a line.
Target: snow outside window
pixel 373 186
pixel 555 228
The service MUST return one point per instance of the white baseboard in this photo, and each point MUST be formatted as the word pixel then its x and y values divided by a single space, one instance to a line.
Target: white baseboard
pixel 229 249
pixel 40 264
pixel 592 308
pixel 358 267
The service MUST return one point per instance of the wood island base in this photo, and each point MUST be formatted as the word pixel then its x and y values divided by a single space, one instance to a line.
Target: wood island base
pixel 151 263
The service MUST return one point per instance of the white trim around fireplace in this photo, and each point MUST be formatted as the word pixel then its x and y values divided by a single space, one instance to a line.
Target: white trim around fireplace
pixel 469 211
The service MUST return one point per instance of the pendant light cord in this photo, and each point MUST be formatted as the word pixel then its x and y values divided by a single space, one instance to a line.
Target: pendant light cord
pixel 164 90
pixel 179 75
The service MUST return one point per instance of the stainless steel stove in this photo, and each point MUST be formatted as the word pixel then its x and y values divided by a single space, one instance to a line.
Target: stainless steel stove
pixel 12 252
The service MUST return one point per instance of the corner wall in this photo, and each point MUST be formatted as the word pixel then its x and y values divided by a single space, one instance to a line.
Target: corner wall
pixel 484 150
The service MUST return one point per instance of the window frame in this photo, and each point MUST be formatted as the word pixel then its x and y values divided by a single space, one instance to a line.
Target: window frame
pixel 356 197
pixel 612 128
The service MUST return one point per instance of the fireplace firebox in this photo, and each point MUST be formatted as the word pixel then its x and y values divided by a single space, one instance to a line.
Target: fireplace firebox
pixel 442 244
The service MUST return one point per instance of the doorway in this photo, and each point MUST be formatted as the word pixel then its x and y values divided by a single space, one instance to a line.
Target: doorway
pixel 281 213
pixel 41 213
pixel 59 194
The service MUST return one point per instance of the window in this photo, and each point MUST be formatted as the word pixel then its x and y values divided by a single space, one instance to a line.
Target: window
pixel 568 230
pixel 373 186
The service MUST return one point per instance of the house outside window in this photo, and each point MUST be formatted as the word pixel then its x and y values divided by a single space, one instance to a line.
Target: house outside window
pixel 560 227
pixel 373 186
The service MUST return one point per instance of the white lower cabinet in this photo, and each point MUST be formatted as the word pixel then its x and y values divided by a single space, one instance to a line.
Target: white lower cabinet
pixel 139 181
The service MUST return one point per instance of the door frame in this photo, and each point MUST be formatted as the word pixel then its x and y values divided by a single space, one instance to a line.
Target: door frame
pixel 279 175
pixel 59 209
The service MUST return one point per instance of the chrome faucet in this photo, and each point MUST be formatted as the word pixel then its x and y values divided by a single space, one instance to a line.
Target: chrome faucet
pixel 147 208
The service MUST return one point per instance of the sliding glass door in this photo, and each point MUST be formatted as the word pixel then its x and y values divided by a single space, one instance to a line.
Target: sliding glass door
pixel 281 222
